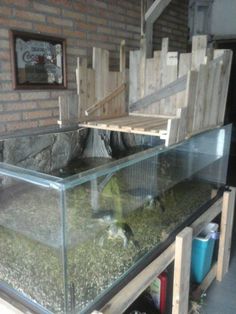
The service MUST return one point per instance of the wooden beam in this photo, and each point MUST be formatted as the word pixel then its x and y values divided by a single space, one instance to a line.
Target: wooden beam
pixel 105 100
pixel 156 10
pixel 171 89
pixel 226 228
pixel 183 247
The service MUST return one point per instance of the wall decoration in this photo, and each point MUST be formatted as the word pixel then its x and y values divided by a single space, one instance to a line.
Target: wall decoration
pixel 38 61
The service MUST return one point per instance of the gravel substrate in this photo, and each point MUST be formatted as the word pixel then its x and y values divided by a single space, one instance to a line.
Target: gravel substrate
pixel 30 246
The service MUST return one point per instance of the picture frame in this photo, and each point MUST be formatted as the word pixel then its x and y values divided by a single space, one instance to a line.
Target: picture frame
pixel 38 61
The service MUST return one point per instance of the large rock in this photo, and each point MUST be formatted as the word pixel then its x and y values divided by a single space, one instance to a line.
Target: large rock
pixel 43 153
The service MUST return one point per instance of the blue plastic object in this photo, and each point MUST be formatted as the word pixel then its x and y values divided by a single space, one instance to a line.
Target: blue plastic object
pixel 202 252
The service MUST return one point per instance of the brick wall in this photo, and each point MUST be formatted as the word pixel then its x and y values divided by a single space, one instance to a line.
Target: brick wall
pixel 173 23
pixel 84 24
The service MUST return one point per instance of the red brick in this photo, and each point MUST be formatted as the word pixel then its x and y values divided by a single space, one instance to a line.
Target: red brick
pixel 48 103
pixel 4 44
pixel 60 21
pixel 36 114
pixel 45 122
pixel 4 55
pixel 5 11
pixel 30 16
pixel 10 117
pixel 4 33
pixel 5 86
pixel 77 34
pixel 18 106
pixel 19 3
pixel 15 23
pixel 85 26
pixel 74 15
pixel 13 126
pixel 9 96
pixel 46 8
pixel 47 29
pixel 34 95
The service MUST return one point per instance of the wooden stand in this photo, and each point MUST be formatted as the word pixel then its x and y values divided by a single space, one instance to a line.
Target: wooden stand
pixel 180 252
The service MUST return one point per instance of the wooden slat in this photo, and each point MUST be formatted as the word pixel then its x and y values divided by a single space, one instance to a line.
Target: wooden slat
pixel 226 227
pixel 226 69
pixel 190 98
pixel 200 100
pixel 169 105
pixel 134 77
pixel 183 247
pixel 167 91
pixel 142 67
pixel 172 131
pixel 82 84
pixel 199 50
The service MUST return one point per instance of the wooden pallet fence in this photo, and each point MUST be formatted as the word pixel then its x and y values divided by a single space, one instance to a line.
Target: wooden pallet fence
pixel 188 91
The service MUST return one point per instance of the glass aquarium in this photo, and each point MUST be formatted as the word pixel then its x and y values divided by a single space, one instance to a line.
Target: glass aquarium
pixel 68 243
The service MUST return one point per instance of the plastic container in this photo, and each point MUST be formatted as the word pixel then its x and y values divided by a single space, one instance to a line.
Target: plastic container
pixel 158 291
pixel 202 252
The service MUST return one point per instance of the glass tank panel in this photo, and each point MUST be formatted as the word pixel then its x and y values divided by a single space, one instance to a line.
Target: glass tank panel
pixel 32 260
pixel 68 242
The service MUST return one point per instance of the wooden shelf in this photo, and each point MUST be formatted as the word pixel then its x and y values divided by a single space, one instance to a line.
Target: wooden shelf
pixel 132 124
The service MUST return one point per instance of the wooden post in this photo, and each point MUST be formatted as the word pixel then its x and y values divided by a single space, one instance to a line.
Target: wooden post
pixel 226 227
pixel 183 248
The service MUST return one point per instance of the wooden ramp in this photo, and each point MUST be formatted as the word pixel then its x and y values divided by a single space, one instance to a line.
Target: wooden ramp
pixel 170 95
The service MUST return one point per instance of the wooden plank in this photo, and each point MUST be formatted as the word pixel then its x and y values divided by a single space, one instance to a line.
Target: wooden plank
pixel 90 88
pixel 226 227
pixel 184 64
pixel 103 126
pixel 212 100
pixel 142 67
pixel 138 114
pixel 156 10
pixel 169 105
pixel 190 98
pixel 63 108
pixel 163 68
pixel 105 100
pixel 121 301
pixel 171 89
pixel 172 131
pixel 226 70
pixel 153 80
pixel 134 77
pixel 199 50
pixel 182 129
pixel 122 58
pixel 200 100
pixel 183 248
pixel 82 84
pixel 184 68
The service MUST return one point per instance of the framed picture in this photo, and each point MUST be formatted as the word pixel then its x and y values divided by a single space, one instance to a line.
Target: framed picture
pixel 38 61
